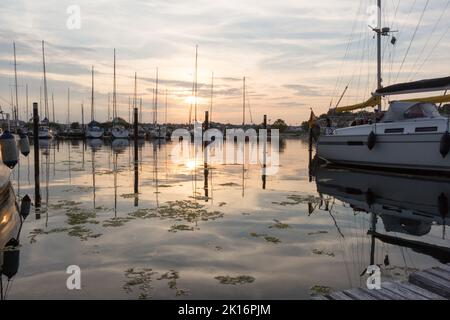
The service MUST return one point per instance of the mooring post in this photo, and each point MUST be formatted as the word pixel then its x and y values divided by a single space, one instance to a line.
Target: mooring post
pixel 310 151
pixel 37 183
pixel 136 154
pixel 205 158
pixel 264 176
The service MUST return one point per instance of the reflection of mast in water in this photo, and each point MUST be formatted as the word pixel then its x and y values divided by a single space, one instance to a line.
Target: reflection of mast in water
pixel 155 171
pixel 93 175
pixel 47 178
pixel 70 165
pixel 115 183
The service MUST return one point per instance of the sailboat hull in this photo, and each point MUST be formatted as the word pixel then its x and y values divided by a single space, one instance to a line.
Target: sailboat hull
pixel 411 152
pixel 120 133
pixel 94 134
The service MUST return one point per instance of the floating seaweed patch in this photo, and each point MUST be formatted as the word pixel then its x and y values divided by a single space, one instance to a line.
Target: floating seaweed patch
pixel 142 280
pixel 279 225
pixel 317 233
pixel 180 227
pixel 77 216
pixel 299 199
pixel 80 232
pixel 320 290
pixel 221 204
pixel 239 280
pixel 323 252
pixel 229 184
pixel 128 195
pixel 266 237
pixel 63 204
pixel 116 222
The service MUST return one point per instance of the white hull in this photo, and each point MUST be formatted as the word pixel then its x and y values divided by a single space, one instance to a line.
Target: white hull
pixel 45 135
pixel 94 134
pixel 159 132
pixel 120 133
pixel 408 150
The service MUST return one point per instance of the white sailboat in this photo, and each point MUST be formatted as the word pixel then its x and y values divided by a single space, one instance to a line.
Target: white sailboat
pixel 411 134
pixel 93 131
pixel 159 131
pixel 119 131
pixel 44 131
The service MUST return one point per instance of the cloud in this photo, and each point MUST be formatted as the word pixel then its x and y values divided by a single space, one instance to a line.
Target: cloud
pixel 304 90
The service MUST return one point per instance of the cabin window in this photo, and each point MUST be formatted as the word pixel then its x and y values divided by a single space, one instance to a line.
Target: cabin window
pixel 415 112
pixel 394 130
pixel 427 129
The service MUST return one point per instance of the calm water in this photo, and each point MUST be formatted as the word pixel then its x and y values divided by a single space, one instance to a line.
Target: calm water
pixel 224 237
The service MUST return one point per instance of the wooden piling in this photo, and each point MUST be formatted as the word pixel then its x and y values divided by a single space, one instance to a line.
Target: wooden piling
pixel 136 153
pixel 37 183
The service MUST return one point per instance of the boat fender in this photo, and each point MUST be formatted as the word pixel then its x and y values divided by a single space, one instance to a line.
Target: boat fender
pixel 8 144
pixel 370 198
pixel 443 205
pixel 445 145
pixel 11 259
pixel 371 140
pixel 25 207
pixel 24 144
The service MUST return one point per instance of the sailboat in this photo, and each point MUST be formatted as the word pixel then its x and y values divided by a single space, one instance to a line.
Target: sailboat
pixel 159 131
pixel 411 135
pixel 93 128
pixel 44 129
pixel 119 131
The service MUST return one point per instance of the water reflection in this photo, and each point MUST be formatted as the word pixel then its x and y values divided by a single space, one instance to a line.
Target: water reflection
pixel 407 205
pixel 216 230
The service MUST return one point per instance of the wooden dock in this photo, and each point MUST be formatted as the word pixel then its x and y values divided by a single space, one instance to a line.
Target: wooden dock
pixel 430 284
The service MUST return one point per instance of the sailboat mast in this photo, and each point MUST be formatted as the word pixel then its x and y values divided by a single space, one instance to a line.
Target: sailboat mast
pixel 114 89
pixel 26 93
pixel 379 34
pixel 135 91
pixel 45 81
pixel 68 106
pixel 53 107
pixel 165 114
pixel 212 94
pixel 196 80
pixel 243 105
pixel 156 98
pixel 16 108
pixel 92 96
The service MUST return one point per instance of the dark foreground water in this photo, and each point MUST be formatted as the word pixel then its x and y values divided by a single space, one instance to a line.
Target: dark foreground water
pixel 217 234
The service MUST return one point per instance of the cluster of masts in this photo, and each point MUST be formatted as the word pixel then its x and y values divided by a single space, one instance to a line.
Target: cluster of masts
pixel 119 126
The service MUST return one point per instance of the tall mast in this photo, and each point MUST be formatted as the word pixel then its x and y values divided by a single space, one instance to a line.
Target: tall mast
pixel 26 93
pixel 212 94
pixel 68 106
pixel 45 82
pixel 53 108
pixel 156 98
pixel 140 110
pixel 243 104
pixel 109 106
pixel 92 96
pixel 165 114
pixel 16 108
pixel 196 80
pixel 135 91
pixel 114 89
pixel 379 34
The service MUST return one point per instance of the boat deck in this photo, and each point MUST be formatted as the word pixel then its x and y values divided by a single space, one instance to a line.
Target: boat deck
pixel 430 284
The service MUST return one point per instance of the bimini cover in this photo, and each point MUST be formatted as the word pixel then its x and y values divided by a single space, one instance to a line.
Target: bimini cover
pixel 438 84
pixel 399 111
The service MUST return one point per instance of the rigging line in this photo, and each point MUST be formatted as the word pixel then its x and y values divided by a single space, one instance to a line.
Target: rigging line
pixel 432 50
pixel 429 37
pixel 347 49
pixel 413 37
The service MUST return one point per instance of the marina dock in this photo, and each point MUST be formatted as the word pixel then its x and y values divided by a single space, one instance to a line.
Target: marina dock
pixel 430 284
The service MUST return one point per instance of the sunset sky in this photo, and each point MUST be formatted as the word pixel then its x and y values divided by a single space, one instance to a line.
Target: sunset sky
pixel 295 54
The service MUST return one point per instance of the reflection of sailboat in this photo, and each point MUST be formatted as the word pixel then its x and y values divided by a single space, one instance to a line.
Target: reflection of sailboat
pixel 119 145
pixel 408 205
pixel 95 144
pixel 10 227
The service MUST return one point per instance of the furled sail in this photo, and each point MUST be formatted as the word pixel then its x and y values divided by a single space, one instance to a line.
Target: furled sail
pixel 438 84
pixel 372 102
pixel 436 100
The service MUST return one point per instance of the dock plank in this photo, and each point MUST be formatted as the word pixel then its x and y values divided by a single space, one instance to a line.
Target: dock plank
pixel 319 298
pixel 359 294
pixel 445 268
pixel 339 295
pixel 383 294
pixel 420 291
pixel 440 273
pixel 431 282
pixel 406 293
